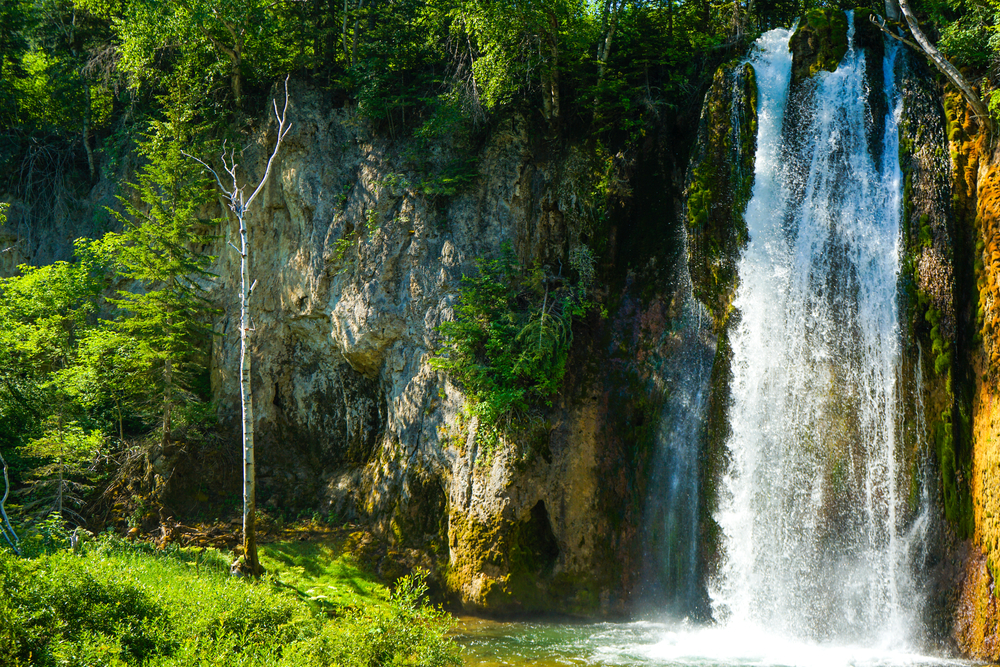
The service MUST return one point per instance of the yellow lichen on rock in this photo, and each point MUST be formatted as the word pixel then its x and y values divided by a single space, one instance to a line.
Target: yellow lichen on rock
pixel 976 195
pixel 976 617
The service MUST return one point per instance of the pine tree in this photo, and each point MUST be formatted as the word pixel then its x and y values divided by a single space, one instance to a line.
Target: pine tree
pixel 160 249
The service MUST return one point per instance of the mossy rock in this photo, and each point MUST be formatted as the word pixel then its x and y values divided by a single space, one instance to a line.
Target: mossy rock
pixel 502 566
pixel 819 43
pixel 719 186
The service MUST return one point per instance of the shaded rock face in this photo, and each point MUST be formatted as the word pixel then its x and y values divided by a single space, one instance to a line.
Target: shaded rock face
pixel 934 407
pixel 719 185
pixel 356 266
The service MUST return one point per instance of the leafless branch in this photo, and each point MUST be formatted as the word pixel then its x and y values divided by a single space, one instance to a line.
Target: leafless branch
pixel 879 23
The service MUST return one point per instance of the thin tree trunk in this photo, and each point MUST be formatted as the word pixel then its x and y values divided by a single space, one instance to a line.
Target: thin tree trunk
pixel 168 397
pixel 235 55
pixel 5 527
pixel 59 492
pixel 946 68
pixel 605 51
pixel 246 401
pixel 62 442
pixel 91 163
pixel 343 35
pixel 239 206
pixel 554 64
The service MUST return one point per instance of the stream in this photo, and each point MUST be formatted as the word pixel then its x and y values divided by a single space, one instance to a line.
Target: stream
pixel 489 643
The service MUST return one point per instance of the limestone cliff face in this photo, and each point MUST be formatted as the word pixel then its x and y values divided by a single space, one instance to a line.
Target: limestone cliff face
pixel 358 248
pixel 976 175
pixel 356 264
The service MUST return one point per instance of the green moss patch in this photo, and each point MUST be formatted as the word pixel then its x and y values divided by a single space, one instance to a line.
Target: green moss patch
pixel 720 184
pixel 819 43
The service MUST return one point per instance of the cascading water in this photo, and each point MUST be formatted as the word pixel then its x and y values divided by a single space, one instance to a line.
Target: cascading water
pixel 823 522
pixel 672 516
pixel 817 530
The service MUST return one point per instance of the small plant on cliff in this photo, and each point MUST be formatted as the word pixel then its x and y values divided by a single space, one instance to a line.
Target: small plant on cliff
pixel 511 337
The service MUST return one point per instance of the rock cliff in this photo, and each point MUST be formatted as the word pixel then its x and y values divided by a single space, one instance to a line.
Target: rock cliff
pixel 358 260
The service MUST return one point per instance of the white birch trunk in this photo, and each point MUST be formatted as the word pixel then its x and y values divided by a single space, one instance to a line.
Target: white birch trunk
pixel 246 403
pixel 239 206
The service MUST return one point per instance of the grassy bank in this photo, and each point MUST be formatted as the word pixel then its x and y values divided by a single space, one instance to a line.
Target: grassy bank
pixel 116 603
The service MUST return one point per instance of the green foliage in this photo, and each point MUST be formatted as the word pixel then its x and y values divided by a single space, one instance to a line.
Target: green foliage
pixel 56 610
pixel 160 247
pixel 66 374
pixel 510 339
pixel 62 481
pixel 403 632
pixel 119 604
pixel 43 313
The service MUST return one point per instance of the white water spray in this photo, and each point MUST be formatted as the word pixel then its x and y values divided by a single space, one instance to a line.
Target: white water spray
pixel 816 525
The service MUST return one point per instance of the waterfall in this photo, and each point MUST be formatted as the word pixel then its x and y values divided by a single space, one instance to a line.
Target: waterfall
pixel 815 508
pixel 672 514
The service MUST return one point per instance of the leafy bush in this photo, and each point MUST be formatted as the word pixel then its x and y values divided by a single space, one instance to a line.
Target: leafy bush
pixel 404 632
pixel 115 603
pixel 511 337
pixel 58 611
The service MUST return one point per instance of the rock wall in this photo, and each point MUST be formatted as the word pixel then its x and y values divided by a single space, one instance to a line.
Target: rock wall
pixel 976 174
pixel 357 262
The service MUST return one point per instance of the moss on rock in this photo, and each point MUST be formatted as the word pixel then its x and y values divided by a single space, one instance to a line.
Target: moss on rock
pixel 720 183
pixel 505 566
pixel 819 43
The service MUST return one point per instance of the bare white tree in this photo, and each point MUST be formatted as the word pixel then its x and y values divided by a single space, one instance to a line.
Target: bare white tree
pixel 5 528
pixel 240 205
pixel 950 71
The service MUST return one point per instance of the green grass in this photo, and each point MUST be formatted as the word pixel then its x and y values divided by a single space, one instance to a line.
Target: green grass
pixel 122 604
pixel 322 574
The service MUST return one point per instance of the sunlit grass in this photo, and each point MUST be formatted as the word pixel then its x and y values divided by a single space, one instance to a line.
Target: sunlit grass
pixel 117 604
pixel 322 574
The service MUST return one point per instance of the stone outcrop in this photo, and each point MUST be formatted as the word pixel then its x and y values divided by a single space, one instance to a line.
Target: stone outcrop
pixel 819 43
pixel 976 178
pixel 719 185
pixel 357 261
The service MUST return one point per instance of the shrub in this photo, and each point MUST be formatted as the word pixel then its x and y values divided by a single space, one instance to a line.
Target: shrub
pixel 404 632
pixel 511 337
pixel 120 604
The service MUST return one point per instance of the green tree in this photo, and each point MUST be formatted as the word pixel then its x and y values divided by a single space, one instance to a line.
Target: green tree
pixel 109 376
pixel 518 39
pixel 61 483
pixel 43 313
pixel 201 38
pixel 161 249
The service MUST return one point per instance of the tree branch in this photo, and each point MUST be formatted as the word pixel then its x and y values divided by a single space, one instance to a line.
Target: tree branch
pixel 5 526
pixel 282 131
pixel 946 68
pixel 879 23
pixel 217 44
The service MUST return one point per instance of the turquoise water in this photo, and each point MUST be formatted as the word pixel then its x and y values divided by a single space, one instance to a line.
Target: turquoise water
pixel 653 644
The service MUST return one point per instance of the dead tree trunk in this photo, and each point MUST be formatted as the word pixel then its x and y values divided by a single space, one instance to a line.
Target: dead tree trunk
pixel 246 403
pixel 950 71
pixel 5 528
pixel 250 564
